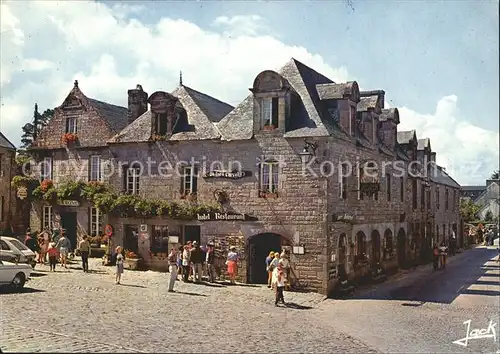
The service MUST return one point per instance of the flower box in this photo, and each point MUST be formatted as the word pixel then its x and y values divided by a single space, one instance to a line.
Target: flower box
pixel 46 184
pixel 268 194
pixel 269 127
pixel 189 197
pixel 69 138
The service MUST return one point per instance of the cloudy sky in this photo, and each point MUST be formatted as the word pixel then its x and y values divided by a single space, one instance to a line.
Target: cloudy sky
pixel 437 61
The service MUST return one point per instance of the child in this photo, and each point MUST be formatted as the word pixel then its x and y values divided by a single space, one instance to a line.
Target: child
pixel 279 283
pixel 53 255
pixel 119 264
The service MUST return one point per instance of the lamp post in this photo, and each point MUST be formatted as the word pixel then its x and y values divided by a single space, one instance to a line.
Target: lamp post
pixel 308 152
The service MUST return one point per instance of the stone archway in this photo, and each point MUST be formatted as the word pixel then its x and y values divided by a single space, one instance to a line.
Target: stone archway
pixel 259 247
pixel 375 246
pixel 360 246
pixel 342 256
pixel 388 244
pixel 401 248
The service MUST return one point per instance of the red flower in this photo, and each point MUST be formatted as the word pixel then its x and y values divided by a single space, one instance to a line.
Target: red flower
pixel 46 185
pixel 69 138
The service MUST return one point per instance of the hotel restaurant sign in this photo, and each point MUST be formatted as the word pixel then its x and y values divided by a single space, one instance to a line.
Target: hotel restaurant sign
pixel 227 174
pixel 225 217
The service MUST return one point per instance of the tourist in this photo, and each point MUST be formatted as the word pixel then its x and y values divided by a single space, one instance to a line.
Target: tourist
pixel 279 284
pixel 232 264
pixel 44 246
pixel 186 259
pixel 285 263
pixel 269 269
pixel 172 269
pixel 53 255
pixel 30 242
pixel 84 248
pixel 179 261
pixel 119 264
pixel 442 254
pixel 435 259
pixel 64 246
pixel 210 259
pixel 197 260
pixel 191 265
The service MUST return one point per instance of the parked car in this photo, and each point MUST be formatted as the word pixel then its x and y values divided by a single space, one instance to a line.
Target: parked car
pixel 14 274
pixel 11 247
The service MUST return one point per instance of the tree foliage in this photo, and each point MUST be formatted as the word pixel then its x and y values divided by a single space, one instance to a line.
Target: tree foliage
pixel 469 210
pixel 39 120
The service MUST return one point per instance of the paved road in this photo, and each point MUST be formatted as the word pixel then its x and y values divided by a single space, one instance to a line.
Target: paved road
pixel 424 311
pixel 78 312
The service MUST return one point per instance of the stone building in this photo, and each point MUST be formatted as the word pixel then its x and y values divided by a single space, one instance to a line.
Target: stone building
pixel 7 193
pixel 303 164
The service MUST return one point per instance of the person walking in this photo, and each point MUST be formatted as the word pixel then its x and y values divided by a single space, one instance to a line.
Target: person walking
pixel 197 260
pixel 435 258
pixel 232 264
pixel 172 269
pixel 64 247
pixel 84 248
pixel 285 263
pixel 279 284
pixel 210 260
pixel 179 261
pixel 269 269
pixel 119 264
pixel 53 255
pixel 186 259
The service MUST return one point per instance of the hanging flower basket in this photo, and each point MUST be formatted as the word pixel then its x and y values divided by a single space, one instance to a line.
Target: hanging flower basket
pixel 69 138
pixel 46 184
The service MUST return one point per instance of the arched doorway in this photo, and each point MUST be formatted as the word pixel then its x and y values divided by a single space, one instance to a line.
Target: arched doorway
pixel 401 248
pixel 375 246
pixel 388 244
pixel 360 247
pixel 342 256
pixel 259 247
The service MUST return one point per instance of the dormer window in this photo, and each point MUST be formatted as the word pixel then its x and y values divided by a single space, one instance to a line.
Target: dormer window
pixel 161 124
pixel 269 112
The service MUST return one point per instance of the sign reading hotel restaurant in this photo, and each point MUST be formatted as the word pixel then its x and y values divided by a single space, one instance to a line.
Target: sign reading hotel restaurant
pixel 225 217
pixel 342 217
pixel 227 174
pixel 71 203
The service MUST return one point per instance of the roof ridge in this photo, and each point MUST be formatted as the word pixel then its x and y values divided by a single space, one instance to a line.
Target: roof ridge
pixel 8 141
pixel 111 104
pixel 206 95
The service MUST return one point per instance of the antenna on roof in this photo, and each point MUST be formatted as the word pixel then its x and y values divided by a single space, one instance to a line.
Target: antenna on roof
pixel 180 78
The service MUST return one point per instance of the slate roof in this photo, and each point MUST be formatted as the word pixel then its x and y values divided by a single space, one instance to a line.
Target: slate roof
pixel 367 102
pixel 441 177
pixel 389 114
pixel 333 91
pixel 202 111
pixel 423 143
pixel 5 143
pixel 473 188
pixel 401 154
pixel 404 137
pixel 116 116
pixel 308 117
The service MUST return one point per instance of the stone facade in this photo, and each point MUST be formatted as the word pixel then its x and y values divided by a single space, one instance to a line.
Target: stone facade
pixel 296 125
pixel 8 220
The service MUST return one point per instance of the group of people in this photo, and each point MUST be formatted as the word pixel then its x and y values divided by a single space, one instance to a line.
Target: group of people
pixel 191 262
pixel 55 247
pixel 439 256
pixel 278 270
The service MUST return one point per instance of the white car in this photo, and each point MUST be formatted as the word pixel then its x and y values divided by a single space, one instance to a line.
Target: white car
pixel 14 274
pixel 11 248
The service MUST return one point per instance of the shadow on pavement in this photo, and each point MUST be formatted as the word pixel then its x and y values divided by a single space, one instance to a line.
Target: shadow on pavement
pixel 442 286
pixel 293 305
pixel 188 293
pixel 8 290
pixel 37 274
pixel 211 285
pixel 227 283
pixel 133 286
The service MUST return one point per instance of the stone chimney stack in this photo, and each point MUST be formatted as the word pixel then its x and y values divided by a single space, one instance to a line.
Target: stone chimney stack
pixel 433 157
pixel 137 103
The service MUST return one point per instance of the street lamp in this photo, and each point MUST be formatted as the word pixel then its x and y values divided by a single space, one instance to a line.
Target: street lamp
pixel 308 151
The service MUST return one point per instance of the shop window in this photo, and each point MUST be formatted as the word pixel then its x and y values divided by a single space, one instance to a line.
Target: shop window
pixel 159 239
pixel 131 238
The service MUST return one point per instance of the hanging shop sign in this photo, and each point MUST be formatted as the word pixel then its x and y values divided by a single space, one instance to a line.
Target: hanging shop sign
pixel 22 193
pixel 342 218
pixel 70 203
pixel 108 230
pixel 225 217
pixel 227 174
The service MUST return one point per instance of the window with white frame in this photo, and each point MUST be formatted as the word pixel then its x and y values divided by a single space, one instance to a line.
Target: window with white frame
pixel 189 180
pixel 343 182
pixel 132 180
pixel 269 172
pixel 95 168
pixel 47 217
pixel 95 222
pixel 71 125
pixel 46 169
pixel 269 112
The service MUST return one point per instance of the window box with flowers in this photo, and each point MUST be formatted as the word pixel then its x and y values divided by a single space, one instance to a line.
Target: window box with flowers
pixel 268 194
pixel 69 138
pixel 269 127
pixel 191 197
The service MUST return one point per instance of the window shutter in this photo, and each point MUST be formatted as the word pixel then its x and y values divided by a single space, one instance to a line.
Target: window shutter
pixel 194 187
pixel 182 174
pixel 125 178
pixel 67 125
pixel 274 107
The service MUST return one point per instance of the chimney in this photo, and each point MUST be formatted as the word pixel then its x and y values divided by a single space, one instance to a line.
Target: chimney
pixel 137 103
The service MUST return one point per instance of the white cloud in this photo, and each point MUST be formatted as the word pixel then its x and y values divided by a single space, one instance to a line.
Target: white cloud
pixel 469 153
pixel 109 52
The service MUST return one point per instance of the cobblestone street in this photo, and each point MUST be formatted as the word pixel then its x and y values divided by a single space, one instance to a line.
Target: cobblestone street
pixel 83 312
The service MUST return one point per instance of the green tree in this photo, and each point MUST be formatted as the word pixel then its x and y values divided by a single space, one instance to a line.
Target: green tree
pixel 495 175
pixel 469 210
pixel 29 133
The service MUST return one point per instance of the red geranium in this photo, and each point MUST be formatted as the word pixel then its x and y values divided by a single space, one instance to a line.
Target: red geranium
pixel 46 184
pixel 69 138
